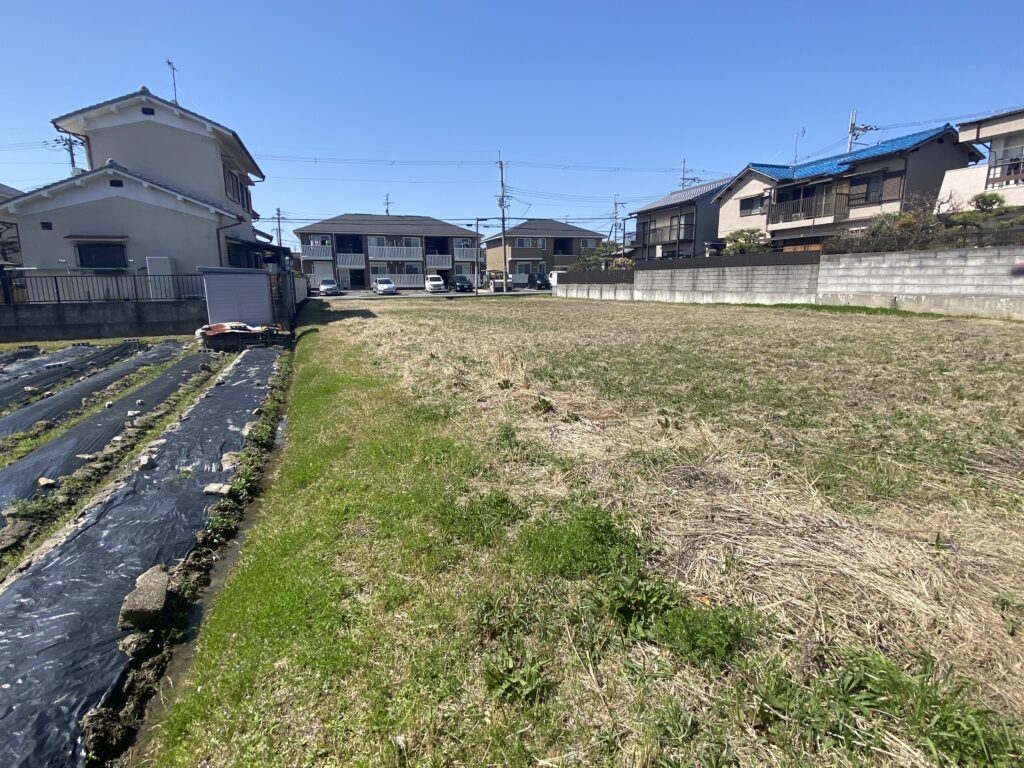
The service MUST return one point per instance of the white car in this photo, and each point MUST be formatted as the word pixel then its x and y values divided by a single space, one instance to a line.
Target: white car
pixel 435 284
pixel 384 286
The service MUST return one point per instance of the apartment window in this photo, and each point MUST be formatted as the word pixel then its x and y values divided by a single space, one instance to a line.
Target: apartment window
pixel 673 228
pixel 524 242
pixel 375 240
pixel 413 268
pixel 101 256
pixel 588 242
pixel 463 242
pixel 752 206
pixel 376 268
pixel 524 268
pixel 319 239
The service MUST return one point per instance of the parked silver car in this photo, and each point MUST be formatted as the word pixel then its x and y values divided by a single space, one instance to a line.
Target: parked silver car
pixel 328 287
pixel 384 286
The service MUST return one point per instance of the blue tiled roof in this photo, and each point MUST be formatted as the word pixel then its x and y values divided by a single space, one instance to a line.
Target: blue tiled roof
pixel 828 166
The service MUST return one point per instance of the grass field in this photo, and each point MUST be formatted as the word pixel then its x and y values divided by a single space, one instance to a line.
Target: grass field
pixel 551 532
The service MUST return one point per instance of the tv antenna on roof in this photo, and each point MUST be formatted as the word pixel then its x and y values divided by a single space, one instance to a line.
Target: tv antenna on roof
pixel 174 77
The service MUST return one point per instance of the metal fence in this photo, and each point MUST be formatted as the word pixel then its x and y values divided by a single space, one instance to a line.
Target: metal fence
pixel 69 289
pixel 597 276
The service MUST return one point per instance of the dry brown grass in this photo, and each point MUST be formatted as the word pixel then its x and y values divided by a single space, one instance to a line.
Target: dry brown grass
pixel 733 492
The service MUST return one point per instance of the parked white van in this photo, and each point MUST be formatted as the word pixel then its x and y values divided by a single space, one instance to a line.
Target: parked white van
pixel 553 276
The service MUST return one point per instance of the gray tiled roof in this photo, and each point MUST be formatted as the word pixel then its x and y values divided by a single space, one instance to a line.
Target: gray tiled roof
pixel 380 224
pixel 6 192
pixel 545 228
pixel 687 195
pixel 111 166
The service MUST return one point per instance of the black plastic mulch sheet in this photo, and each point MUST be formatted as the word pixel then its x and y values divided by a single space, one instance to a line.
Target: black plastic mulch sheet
pixel 13 391
pixel 60 456
pixel 58 620
pixel 54 407
pixel 39 362
pixel 6 358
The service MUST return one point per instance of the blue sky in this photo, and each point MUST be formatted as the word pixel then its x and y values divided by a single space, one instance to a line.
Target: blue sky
pixel 559 85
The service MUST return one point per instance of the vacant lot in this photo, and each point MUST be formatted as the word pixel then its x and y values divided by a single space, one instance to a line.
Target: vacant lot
pixel 554 532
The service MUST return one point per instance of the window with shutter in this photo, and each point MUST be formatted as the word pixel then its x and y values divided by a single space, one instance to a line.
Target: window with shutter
pixel 858 190
pixel 892 186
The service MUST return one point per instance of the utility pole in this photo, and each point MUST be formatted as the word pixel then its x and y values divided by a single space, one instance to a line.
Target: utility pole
pixel 387 204
pixel 68 142
pixel 174 77
pixel 476 261
pixel 278 227
pixel 856 130
pixel 503 204
pixel 796 144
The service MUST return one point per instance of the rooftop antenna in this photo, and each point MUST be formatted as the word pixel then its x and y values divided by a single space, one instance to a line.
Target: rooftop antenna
pixel 796 144
pixel 387 204
pixel 174 77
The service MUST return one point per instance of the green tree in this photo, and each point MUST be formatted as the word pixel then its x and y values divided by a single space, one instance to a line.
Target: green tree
pixel 988 201
pixel 751 240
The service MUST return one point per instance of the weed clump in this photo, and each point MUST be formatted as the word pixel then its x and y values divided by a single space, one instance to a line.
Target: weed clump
pixel 517 675
pixel 861 697
pixel 590 541
pixel 482 521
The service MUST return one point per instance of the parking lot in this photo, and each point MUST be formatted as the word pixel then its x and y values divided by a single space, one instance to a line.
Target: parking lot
pixel 412 293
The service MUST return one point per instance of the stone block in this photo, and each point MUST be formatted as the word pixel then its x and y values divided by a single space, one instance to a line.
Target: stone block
pixel 145 607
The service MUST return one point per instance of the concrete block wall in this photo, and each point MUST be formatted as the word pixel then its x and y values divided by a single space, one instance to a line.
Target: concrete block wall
pixel 781 284
pixel 965 282
pixel 101 319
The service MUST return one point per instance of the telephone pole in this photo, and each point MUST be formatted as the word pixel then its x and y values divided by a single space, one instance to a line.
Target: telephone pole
pixel 503 204
pixel 855 131
pixel 387 204
pixel 278 227
pixel 68 142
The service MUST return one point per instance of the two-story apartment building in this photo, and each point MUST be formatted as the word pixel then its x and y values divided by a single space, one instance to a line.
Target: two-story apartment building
pixel 537 246
pixel 679 225
pixel 798 205
pixel 165 190
pixel 1003 136
pixel 356 247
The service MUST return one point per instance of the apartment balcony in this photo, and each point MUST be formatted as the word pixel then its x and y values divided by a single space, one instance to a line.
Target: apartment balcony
pixel 317 252
pixel 350 260
pixel 395 253
pixel 663 235
pixel 810 209
pixel 1005 168
pixel 439 260
pixel 467 254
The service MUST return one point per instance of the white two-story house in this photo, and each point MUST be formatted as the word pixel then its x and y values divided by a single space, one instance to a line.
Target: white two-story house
pixel 164 191
pixel 1002 134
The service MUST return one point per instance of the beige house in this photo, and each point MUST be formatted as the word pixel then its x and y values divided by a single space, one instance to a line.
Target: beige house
pixel 1003 134
pixel 679 225
pixel 165 191
pixel 10 248
pixel 537 246
pixel 354 248
pixel 796 206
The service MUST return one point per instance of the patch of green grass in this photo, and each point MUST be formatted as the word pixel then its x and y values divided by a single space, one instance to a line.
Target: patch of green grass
pixel 586 541
pixel 517 675
pixel 482 520
pixel 861 695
